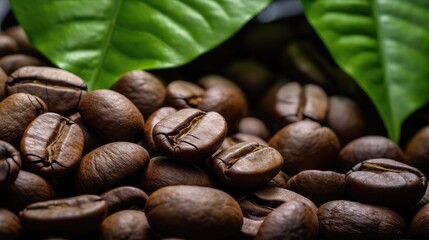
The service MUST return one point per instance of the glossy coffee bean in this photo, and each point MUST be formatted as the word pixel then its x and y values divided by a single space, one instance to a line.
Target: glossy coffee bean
pixel 126 224
pixel 150 123
pixel 91 139
pixel 182 94
pixel 10 164
pixel 162 172
pixel 69 216
pixel 254 126
pixel 291 220
pixel 52 145
pixel 59 89
pixel 309 182
pixel 306 145
pixel 124 197
pixel 367 147
pixel 108 165
pixel 8 45
pixel 262 201
pixel 193 212
pixel 145 90
pixel 10 226
pixel 28 188
pixel 245 165
pixel 420 222
pixel 250 228
pixel 239 138
pixel 11 63
pixel 385 182
pixel 350 220
pixel 16 112
pixel 417 150
pixel 190 135
pixel 295 103
pixel 112 116
pixel 345 118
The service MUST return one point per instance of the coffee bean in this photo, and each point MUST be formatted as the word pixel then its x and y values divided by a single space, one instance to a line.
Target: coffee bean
pixel 162 172
pixel 8 45
pixel 91 139
pixel 28 188
pixel 16 112
pixel 3 79
pixel 112 116
pixel 306 145
pixel 190 135
pixel 367 147
pixel 291 220
pixel 309 182
pixel 52 145
pixel 12 63
pixel 278 180
pixel 260 202
pixel 345 118
pixel 124 197
pixel 245 165
pixel 254 126
pixel 18 34
pixel 10 226
pixel 73 216
pixel 182 94
pixel 350 220
pixel 193 212
pixel 420 222
pixel 109 164
pixel 385 182
pixel 145 90
pixel 250 228
pixel 417 150
pixel 295 103
pixel 10 164
pixel 239 138
pixel 59 89
pixel 150 123
pixel 126 224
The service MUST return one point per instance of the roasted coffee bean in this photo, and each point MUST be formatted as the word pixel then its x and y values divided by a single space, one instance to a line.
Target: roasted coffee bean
pixel 182 94
pixel 250 228
pixel 345 118
pixel 367 147
pixel 10 226
pixel 10 164
pixel 245 165
pixel 16 112
pixel 420 222
pixel 8 45
pixel 52 145
pixel 126 224
pixel 145 90
pixel 124 197
pixel 162 172
pixel 295 103
pixel 3 79
pixel 254 126
pixel 417 150
pixel 385 182
pixel 190 135
pixel 291 220
pixel 18 34
pixel 260 202
pixel 11 63
pixel 350 220
pixel 193 212
pixel 309 182
pixel 73 216
pixel 278 180
pixel 306 145
pixel 112 116
pixel 109 164
pixel 59 89
pixel 28 188
pixel 150 123
pixel 239 138
pixel 91 139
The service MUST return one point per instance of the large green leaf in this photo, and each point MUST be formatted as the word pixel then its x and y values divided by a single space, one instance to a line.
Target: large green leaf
pixel 384 46
pixel 99 40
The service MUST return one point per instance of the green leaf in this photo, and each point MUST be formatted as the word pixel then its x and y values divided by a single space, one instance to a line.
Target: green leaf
pixel 384 46
pixel 99 40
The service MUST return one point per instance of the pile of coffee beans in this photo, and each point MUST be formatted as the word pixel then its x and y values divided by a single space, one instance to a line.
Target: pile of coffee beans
pixel 236 155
